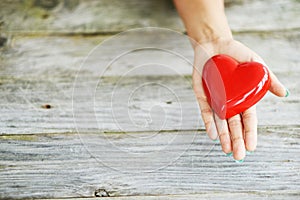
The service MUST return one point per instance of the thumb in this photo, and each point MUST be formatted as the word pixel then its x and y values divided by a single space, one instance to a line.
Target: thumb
pixel 276 87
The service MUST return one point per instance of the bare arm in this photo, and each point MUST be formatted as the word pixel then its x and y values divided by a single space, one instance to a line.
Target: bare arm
pixel 204 20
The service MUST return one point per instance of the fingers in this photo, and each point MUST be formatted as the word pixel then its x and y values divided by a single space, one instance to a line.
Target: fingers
pixel 208 119
pixel 206 111
pixel 237 139
pixel 250 128
pixel 211 130
pixel 239 134
pixel 223 133
pixel 276 87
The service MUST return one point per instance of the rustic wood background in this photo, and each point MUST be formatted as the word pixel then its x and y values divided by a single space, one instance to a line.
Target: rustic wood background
pixel 129 153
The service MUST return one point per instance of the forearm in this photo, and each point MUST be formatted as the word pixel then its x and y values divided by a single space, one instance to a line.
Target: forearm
pixel 204 20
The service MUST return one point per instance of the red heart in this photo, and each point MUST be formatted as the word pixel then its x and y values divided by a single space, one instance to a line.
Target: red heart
pixel 233 87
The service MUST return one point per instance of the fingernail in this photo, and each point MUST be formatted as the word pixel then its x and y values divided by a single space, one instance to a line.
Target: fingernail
pixel 249 152
pixel 216 140
pixel 239 161
pixel 287 92
pixel 229 154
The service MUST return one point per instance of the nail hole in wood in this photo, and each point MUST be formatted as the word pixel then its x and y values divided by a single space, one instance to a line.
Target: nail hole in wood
pixel 46 106
pixel 101 193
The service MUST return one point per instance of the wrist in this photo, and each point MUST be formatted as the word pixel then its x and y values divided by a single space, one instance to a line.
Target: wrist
pixel 210 24
pixel 208 33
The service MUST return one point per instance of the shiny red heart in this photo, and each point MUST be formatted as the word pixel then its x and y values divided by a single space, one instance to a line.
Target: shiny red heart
pixel 232 87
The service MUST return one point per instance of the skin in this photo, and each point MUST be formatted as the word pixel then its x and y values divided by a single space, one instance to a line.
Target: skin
pixel 206 24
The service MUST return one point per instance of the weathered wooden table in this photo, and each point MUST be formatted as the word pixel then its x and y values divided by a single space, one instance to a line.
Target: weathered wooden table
pixel 140 135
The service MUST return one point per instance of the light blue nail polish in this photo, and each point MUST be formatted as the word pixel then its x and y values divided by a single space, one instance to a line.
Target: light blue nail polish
pixel 287 92
pixel 249 152
pixel 229 154
pixel 239 161
pixel 216 140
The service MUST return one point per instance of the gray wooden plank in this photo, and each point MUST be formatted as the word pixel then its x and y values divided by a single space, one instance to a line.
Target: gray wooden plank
pixel 87 16
pixel 108 16
pixel 217 196
pixel 36 71
pixel 167 103
pixel 264 15
pixel 50 57
pixel 149 163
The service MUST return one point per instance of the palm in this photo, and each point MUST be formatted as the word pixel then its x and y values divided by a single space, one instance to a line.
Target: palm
pixel 238 133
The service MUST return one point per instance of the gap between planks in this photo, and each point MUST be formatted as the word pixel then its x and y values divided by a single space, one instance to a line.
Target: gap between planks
pixel 216 196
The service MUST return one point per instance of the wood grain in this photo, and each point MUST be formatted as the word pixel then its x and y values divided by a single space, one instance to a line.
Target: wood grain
pixel 120 106
pixel 53 57
pixel 128 96
pixel 79 125
pixel 217 196
pixel 108 16
pixel 152 163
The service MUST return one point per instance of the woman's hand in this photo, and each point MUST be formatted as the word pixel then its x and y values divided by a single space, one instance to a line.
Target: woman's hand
pixel 207 26
pixel 237 134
